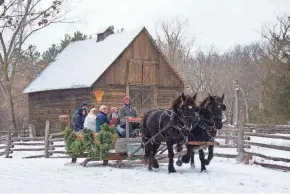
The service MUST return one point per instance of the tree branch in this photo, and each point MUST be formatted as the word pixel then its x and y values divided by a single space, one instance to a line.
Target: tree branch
pixel 19 27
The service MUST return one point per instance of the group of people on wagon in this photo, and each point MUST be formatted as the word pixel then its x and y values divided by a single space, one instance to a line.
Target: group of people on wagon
pixel 93 120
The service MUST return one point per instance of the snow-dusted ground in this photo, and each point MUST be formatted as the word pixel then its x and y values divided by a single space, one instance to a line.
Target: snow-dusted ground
pixel 224 175
pixel 52 175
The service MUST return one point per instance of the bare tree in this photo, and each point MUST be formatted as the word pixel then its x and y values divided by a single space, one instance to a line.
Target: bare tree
pixel 19 20
pixel 274 107
pixel 172 39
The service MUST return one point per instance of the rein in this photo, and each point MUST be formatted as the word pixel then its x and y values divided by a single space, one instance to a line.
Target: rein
pixel 165 110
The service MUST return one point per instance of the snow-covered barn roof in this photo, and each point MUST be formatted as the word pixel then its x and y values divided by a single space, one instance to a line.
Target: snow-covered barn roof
pixel 81 63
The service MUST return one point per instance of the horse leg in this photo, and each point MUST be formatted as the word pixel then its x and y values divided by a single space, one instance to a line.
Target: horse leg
pixel 147 157
pixel 210 154
pixel 202 160
pixel 186 158
pixel 171 168
pixel 155 150
pixel 192 165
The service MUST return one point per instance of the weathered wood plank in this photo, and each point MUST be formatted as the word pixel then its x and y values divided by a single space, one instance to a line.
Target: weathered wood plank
pixel 267 126
pixel 267 135
pixel 27 139
pixel 51 135
pixel 269 157
pixel 27 144
pixel 273 166
pixel 231 137
pixel 269 146
pixel 27 149
pixel 56 139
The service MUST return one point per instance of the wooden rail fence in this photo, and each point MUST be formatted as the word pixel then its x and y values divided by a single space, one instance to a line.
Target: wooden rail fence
pixel 47 145
pixel 240 141
pixel 266 134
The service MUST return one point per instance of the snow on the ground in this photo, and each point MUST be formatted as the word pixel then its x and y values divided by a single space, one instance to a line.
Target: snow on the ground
pixel 224 175
pixel 52 175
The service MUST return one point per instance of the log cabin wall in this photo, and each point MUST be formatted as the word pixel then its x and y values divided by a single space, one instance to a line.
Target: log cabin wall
pixel 49 105
pixel 166 96
pixel 113 96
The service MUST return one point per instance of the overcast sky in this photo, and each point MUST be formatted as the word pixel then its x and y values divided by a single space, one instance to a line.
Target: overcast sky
pixel 222 23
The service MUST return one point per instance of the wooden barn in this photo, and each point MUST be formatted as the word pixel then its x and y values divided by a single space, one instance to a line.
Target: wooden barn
pixel 113 64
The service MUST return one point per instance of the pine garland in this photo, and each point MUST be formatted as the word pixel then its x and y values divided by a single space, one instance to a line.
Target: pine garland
pixel 95 147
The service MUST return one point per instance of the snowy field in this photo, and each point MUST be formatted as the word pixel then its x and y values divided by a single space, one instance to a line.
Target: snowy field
pixel 52 175
pixel 224 175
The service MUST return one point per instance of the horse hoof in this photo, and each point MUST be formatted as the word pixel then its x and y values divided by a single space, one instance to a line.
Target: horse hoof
pixel 155 164
pixel 178 163
pixel 203 170
pixel 185 159
pixel 171 170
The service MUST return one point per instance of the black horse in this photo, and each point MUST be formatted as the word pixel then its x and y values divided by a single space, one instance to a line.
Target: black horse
pixel 210 111
pixel 156 124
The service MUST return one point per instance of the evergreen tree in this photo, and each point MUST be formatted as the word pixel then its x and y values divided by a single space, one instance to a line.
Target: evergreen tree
pixel 54 50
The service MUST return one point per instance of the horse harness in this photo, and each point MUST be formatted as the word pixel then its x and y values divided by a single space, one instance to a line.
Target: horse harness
pixel 152 139
pixel 206 124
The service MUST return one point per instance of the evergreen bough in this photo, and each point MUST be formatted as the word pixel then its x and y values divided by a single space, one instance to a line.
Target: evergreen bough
pixel 95 147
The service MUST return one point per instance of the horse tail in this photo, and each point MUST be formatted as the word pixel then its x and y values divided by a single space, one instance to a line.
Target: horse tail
pixel 144 126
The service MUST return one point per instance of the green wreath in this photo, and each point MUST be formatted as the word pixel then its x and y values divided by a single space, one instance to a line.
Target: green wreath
pixel 93 147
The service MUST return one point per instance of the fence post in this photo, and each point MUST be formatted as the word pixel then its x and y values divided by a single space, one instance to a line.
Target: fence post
pixel 127 129
pixel 241 151
pixel 8 145
pixel 31 130
pixel 236 107
pixel 46 139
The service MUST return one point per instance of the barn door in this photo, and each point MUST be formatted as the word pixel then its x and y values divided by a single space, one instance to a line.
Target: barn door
pixel 142 97
pixel 136 98
pixel 149 73
pixel 135 72
pixel 147 98
pixel 142 72
pixel 141 81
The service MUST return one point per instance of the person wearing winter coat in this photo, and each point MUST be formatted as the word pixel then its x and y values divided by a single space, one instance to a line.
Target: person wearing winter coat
pixel 91 120
pixel 80 119
pixel 74 115
pixel 102 117
pixel 127 110
pixel 113 117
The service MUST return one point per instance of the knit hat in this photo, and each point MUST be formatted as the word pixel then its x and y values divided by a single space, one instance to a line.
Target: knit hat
pixel 127 98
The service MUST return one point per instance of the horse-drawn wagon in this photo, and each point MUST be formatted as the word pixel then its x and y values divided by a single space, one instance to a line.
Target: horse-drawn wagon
pixel 128 148
pixel 199 123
